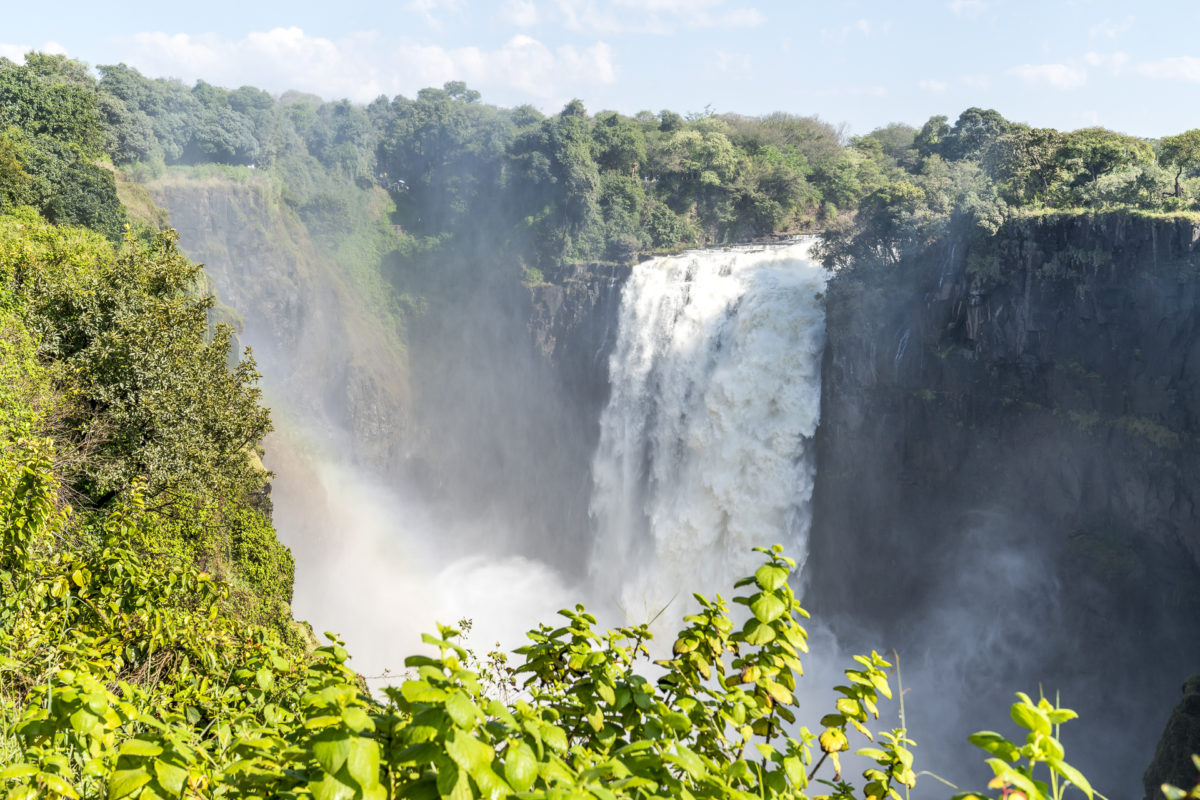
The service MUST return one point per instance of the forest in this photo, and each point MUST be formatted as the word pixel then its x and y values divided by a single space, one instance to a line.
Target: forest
pixel 147 646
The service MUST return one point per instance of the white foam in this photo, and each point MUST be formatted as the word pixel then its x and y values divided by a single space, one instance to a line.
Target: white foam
pixel 705 445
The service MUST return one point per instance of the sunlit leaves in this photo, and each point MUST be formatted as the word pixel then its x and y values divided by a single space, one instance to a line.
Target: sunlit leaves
pixel 237 714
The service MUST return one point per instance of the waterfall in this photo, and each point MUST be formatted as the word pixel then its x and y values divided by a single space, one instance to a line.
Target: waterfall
pixel 706 443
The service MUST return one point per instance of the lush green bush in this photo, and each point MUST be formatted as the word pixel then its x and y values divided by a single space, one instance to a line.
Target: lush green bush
pixel 122 677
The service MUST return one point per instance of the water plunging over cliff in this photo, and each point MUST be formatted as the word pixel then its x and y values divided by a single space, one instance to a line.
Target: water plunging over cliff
pixel 705 445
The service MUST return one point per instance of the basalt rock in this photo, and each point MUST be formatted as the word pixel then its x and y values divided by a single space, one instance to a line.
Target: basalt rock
pixel 1180 741
pixel 1008 472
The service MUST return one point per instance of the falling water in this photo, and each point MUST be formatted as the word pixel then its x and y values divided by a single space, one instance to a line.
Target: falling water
pixel 706 443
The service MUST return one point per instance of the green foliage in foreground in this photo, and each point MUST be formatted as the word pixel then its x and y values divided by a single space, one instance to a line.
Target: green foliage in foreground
pixel 121 677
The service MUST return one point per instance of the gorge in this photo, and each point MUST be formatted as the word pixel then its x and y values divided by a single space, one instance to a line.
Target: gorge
pixel 512 378
pixel 1005 455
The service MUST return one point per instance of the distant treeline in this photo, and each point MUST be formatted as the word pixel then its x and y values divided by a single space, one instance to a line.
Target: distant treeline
pixel 571 185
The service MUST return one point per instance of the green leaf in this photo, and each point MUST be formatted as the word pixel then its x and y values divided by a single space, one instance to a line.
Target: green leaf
pixel 880 682
pixel 59 785
pixel 422 661
pixel 554 736
pixel 461 710
pixel 691 763
pixel 356 719
pixel 1030 718
pixel 680 723
pixel 490 784
pixel 995 744
pixel 1007 773
pixel 767 606
pixel 520 767
pixel 606 693
pixel 778 693
pixel 171 776
pixel 757 633
pixel 362 762
pixel 448 776
pixel 139 747
pixel 770 577
pixel 331 750
pixel 1058 716
pixel 468 752
pixel 125 782
pixel 18 771
pixel 330 788
pixel 794 768
pixel 421 692
pixel 1073 775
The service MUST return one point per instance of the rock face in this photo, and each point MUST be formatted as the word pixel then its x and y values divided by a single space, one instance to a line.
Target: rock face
pixel 304 320
pixel 573 324
pixel 1180 741
pixel 1009 471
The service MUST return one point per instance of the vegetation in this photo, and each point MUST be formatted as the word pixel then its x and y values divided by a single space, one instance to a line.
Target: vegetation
pixel 146 646
pixel 972 176
pixel 122 677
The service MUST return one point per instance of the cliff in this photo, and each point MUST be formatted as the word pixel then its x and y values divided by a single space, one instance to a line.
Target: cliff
pixel 573 325
pixel 327 357
pixel 1008 469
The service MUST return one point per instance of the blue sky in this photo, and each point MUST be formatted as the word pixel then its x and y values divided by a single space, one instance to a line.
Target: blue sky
pixel 1061 63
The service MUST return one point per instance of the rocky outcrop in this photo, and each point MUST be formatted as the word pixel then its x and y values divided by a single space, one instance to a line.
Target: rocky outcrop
pixel 573 324
pixel 1009 468
pixel 1180 742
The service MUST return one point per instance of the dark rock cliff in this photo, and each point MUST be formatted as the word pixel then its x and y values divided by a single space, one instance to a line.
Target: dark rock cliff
pixel 1009 475
pixel 572 324
pixel 1180 744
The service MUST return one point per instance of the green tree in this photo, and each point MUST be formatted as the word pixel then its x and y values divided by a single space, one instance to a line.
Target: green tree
pixel 1092 152
pixel 53 104
pixel 1026 163
pixel 1182 152
pixel 152 397
pixel 618 143
pixel 974 133
pixel 932 136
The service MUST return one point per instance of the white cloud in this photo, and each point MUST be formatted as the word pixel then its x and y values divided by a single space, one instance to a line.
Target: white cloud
pixel 968 8
pixel 522 13
pixel 976 81
pixel 669 6
pixel 850 91
pixel 366 65
pixel 861 27
pixel 16 52
pixel 1113 62
pixel 662 17
pixel 1107 29
pixel 930 85
pixel 1058 76
pixel 1186 68
pixel 429 9
pixel 733 63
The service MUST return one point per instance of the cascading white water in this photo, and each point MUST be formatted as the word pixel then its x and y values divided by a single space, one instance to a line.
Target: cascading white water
pixel 705 445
